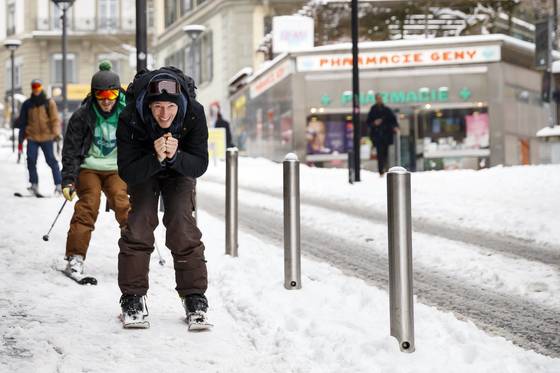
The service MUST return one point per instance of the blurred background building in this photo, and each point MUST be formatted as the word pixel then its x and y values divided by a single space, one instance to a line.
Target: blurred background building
pixel 97 30
pixel 240 51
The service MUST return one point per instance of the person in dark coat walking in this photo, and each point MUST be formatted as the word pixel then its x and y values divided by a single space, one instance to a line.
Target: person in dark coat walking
pixel 382 125
pixel 222 123
pixel 162 139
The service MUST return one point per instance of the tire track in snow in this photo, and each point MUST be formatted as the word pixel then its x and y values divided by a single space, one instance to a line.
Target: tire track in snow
pixel 502 244
pixel 525 323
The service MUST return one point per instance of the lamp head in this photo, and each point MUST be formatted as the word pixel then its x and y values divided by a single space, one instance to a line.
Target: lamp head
pixel 63 4
pixel 12 44
pixel 194 31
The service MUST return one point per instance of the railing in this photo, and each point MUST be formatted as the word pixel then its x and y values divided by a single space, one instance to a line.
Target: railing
pixel 87 24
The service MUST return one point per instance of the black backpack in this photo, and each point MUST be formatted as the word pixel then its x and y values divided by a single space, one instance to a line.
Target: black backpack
pixel 143 76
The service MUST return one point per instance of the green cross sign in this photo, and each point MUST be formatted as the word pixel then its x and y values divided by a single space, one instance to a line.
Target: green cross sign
pixel 465 93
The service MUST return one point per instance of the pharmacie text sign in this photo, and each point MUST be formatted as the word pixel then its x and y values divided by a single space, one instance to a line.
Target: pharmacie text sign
pixel 401 58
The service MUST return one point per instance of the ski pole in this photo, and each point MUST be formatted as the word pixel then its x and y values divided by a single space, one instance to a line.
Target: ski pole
pixel 161 260
pixel 46 236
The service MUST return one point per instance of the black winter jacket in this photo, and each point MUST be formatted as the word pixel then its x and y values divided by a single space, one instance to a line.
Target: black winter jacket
pixel 77 141
pixel 137 160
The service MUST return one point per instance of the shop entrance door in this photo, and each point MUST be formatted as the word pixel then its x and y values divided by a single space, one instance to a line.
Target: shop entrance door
pixel 405 117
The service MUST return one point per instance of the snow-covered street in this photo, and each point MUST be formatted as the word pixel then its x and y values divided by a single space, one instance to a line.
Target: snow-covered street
pixel 338 322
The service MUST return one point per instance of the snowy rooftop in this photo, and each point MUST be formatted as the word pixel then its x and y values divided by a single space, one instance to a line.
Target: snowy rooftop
pixel 549 131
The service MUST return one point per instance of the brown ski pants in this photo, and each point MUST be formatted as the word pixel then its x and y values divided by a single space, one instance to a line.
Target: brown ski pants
pixel 182 236
pixel 89 186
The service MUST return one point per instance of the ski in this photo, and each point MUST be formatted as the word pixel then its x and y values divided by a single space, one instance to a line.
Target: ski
pixel 197 322
pixel 80 279
pixel 36 195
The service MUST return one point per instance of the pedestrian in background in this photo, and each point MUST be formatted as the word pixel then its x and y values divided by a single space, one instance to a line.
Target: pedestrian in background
pixel 39 123
pixel 89 158
pixel 163 147
pixel 382 125
pixel 219 122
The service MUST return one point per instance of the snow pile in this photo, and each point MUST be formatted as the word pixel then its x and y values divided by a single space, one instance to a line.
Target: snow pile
pixel 333 324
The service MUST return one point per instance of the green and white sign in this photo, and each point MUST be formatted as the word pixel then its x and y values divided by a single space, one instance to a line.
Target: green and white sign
pixel 420 96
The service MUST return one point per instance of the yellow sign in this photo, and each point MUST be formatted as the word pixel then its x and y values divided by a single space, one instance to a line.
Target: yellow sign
pixel 77 91
pixel 217 143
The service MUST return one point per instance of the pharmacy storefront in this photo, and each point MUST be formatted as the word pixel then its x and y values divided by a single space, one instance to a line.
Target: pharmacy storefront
pixel 467 102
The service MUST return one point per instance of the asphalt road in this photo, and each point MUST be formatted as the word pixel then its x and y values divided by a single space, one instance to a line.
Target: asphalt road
pixel 527 324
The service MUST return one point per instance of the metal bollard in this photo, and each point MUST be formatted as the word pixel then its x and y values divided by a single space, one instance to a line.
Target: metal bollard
pixel 292 241
pixel 351 171
pixel 231 201
pixel 400 258
pixel 397 149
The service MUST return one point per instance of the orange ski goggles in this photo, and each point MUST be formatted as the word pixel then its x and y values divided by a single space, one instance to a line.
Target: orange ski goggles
pixel 107 94
pixel 36 86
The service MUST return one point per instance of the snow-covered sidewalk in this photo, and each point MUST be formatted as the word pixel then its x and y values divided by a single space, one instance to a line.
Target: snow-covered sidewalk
pixel 335 323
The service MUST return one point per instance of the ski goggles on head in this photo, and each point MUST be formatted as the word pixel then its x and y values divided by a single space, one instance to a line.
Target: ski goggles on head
pixel 107 94
pixel 169 86
pixel 36 86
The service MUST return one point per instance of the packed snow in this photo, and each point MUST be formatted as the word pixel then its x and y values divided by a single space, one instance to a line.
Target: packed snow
pixel 335 323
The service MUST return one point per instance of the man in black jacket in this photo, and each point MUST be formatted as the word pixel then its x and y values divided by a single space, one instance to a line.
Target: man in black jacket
pixel 162 139
pixel 382 125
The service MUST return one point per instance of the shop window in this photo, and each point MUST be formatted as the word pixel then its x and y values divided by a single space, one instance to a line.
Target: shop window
pixel 453 138
pixel 56 68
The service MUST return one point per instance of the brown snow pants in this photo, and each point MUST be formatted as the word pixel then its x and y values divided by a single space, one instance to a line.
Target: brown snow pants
pixel 182 236
pixel 89 186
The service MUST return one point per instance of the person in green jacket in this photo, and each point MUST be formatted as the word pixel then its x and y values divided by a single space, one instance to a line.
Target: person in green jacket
pixel 89 164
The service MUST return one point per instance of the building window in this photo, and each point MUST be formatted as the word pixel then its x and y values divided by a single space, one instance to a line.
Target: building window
pixel 175 9
pixel 114 59
pixel 170 12
pixel 206 70
pixel 185 6
pixel 176 59
pixel 56 68
pixel 56 18
pixel 11 18
pixel 18 62
pixel 108 14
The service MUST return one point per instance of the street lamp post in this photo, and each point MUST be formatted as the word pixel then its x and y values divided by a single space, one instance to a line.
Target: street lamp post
pixel 355 92
pixel 12 45
pixel 141 36
pixel 64 5
pixel 193 32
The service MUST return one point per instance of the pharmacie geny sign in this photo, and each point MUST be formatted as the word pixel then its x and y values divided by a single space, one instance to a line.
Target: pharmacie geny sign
pixel 401 58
